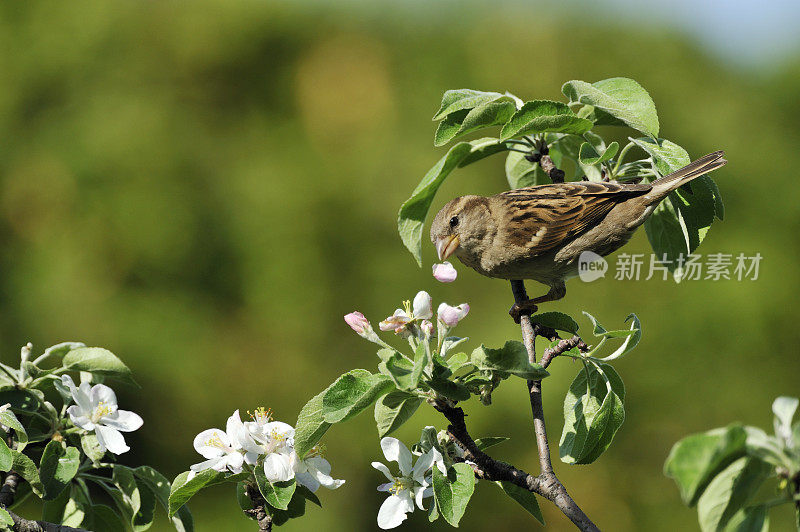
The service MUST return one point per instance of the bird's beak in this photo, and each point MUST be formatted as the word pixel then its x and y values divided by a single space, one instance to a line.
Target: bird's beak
pixel 447 245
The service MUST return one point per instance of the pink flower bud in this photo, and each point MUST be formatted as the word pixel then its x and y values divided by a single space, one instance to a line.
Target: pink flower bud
pixel 444 272
pixel 357 322
pixel 450 316
pixel 427 327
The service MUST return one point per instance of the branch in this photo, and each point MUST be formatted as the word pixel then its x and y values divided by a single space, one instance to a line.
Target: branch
pixel 259 510
pixel 557 492
pixel 7 493
pixel 546 163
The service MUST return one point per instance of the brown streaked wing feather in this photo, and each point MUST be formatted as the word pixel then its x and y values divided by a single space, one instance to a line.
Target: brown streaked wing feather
pixel 542 217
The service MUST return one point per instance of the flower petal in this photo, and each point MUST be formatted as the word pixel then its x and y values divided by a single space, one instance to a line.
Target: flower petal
pixel 100 393
pixel 423 305
pixel 114 440
pixel 209 443
pixel 385 487
pixel 422 466
pixel 444 272
pixel 81 398
pixel 278 467
pixel 395 451
pixel 123 420
pixel 234 461
pixel 79 418
pixel 392 512
pixel 383 469
pixel 211 463
pixel 307 479
pixel 419 494
pixel 320 469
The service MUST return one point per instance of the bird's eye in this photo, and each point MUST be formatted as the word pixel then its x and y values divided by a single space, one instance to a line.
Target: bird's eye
pixel 454 221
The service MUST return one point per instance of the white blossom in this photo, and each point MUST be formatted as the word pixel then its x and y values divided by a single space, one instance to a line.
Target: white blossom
pixel 95 409
pixel 410 486
pixel 223 450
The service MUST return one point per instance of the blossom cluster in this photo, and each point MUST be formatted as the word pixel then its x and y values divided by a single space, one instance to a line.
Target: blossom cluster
pixel 266 442
pixel 412 320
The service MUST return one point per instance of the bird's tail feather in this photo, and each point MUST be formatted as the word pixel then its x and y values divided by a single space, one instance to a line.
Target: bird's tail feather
pixel 664 185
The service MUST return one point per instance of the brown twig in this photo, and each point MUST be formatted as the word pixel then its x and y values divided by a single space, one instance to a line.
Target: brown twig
pixel 7 493
pixel 259 510
pixel 556 491
pixel 542 156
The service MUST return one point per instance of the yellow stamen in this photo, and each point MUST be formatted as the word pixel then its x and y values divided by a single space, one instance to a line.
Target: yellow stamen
pixel 261 415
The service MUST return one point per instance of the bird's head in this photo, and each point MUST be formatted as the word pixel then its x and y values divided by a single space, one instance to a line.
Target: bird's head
pixel 462 228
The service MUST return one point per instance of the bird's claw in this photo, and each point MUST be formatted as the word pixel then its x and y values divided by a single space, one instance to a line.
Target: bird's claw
pixel 525 308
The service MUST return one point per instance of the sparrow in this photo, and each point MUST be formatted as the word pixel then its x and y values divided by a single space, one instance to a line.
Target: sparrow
pixel 539 232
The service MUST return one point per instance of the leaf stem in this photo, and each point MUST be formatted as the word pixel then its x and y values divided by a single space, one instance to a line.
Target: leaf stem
pixel 620 157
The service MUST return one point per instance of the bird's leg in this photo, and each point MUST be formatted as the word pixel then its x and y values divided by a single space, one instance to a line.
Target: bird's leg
pixel 523 305
pixel 529 306
pixel 557 291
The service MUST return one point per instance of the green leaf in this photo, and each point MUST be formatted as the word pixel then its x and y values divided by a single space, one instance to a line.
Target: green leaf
pixel 97 360
pixel 484 443
pixel 160 486
pixel 394 409
pixel 453 491
pixel 461 99
pixel 601 331
pixel 593 412
pixel 53 511
pixel 421 360
pixel 9 419
pixel 27 470
pixel 511 358
pixel 143 518
pixel 404 373
pixel 105 519
pixel 525 498
pixel 277 494
pixel 183 490
pixel 411 218
pixel 5 519
pixel 768 448
pixel 78 506
pixel 352 393
pixel 556 320
pixel 23 401
pixel 784 409
pixel 311 425
pixel 729 491
pixel 466 121
pixel 667 233
pixel 750 519
pixel 482 148
pixel 697 202
pixel 588 154
pixel 630 342
pixel 542 116
pixel 57 468
pixel 520 172
pixel 126 494
pixel 621 98
pixel 91 447
pixel 450 389
pixel 6 456
pixel 698 458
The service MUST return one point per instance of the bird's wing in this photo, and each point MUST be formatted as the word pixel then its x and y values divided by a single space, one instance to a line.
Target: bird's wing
pixel 542 217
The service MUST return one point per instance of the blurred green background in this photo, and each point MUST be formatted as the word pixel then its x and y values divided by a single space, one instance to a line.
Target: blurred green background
pixel 207 188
